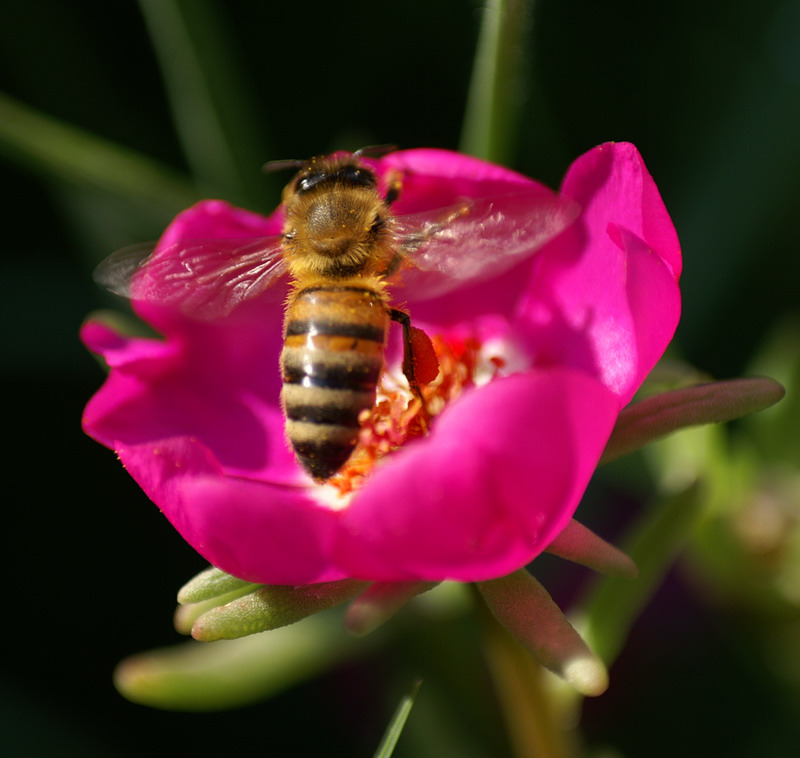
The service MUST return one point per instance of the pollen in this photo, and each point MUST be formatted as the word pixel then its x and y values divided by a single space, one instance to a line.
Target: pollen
pixel 399 416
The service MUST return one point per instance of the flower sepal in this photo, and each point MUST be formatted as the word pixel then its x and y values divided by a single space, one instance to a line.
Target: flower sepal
pixel 379 603
pixel 270 607
pixel 580 545
pixel 210 589
pixel 215 605
pixel 523 606
pixel 213 584
pixel 654 417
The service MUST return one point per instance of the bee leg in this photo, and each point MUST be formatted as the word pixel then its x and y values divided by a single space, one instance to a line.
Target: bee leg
pixel 393 266
pixel 409 368
pixel 414 242
pixel 394 187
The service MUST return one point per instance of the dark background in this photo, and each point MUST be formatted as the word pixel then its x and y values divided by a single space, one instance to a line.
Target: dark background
pixel 709 92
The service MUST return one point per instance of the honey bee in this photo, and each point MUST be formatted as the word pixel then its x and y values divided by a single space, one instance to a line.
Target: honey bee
pixel 342 248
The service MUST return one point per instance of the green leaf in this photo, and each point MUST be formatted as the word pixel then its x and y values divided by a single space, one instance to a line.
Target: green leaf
pixel 716 402
pixel 776 431
pixel 395 728
pixel 229 674
pixel 496 88
pixel 62 152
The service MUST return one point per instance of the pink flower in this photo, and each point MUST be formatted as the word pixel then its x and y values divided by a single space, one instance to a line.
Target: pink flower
pixel 560 343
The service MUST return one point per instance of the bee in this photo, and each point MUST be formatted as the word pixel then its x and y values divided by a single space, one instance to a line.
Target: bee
pixel 342 248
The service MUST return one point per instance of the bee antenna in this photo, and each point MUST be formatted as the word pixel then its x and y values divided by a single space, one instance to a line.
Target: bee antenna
pixel 282 165
pixel 375 151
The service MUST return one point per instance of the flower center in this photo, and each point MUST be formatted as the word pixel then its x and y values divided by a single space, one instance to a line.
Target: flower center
pixel 398 415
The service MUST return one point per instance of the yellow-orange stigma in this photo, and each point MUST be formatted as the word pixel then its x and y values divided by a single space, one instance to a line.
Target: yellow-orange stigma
pixel 399 416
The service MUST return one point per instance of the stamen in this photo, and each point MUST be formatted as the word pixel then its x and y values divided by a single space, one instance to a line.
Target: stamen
pixel 398 415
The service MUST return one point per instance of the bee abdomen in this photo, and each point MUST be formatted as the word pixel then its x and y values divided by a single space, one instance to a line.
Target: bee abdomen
pixel 331 363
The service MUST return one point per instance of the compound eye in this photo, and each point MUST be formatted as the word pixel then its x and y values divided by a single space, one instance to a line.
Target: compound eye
pixel 306 182
pixel 348 175
pixel 360 176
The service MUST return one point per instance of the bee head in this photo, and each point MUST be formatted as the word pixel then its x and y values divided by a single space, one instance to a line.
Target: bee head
pixel 337 222
pixel 334 214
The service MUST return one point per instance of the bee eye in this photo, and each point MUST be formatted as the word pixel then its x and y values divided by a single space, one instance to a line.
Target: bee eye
pixel 357 175
pixel 348 174
pixel 308 181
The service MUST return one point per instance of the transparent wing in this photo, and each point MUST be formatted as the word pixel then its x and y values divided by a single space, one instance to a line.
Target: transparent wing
pixel 205 279
pixel 476 239
pixel 115 272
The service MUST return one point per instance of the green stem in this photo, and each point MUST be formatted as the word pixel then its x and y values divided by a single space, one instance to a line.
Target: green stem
pixel 495 92
pixel 519 681
pixel 612 605
pixel 207 96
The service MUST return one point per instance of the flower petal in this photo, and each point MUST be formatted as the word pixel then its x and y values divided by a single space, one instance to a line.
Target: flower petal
pixel 612 181
pixel 497 480
pixel 434 178
pixel 247 528
pixel 214 381
pixel 216 219
pixel 604 296
pixel 216 384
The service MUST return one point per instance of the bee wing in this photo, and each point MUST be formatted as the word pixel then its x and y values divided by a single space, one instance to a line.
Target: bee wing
pixel 205 279
pixel 476 239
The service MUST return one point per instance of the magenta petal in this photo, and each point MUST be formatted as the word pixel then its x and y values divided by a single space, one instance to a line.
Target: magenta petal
pixel 249 529
pixel 446 164
pixel 604 298
pixel 434 178
pixel 611 182
pixel 216 219
pixel 217 385
pixel 119 351
pixel 499 477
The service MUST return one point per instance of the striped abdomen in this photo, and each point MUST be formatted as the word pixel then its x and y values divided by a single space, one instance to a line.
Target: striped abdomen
pixel 331 361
